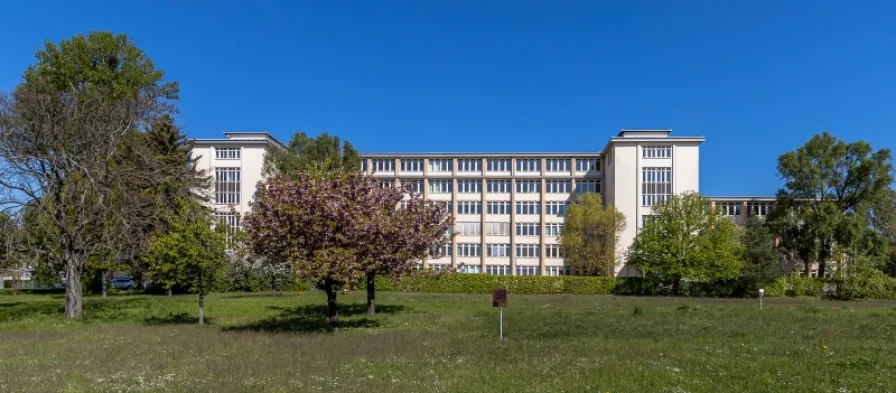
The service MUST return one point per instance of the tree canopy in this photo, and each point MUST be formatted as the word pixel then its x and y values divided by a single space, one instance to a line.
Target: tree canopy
pixel 685 239
pixel 325 153
pixel 590 235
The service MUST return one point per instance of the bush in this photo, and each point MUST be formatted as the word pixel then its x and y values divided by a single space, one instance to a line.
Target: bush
pixel 486 283
pixel 777 288
pixel 868 285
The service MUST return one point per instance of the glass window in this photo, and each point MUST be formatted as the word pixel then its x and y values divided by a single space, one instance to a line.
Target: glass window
pixel 531 250
pixel 227 153
pixel 528 207
pixel 227 186
pixel 498 165
pixel 528 270
pixel 557 165
pixel 528 186
pixel 499 270
pixel 412 165
pixel 528 229
pixel 469 249
pixel 497 228
pixel 497 186
pixel 556 208
pixel 469 186
pixel 469 207
pixel 587 164
pixel 553 229
pixel 656 151
pixel 497 250
pixel 384 165
pixel 414 185
pixel 440 165
pixel 557 186
pixel 498 207
pixel 468 228
pixel 440 186
pixel 656 185
pixel 469 165
pixel 583 186
pixel 528 165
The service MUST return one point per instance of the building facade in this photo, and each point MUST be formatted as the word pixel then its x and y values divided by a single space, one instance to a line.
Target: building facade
pixel 508 207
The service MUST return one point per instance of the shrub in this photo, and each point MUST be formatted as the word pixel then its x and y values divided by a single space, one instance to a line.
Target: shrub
pixel 486 283
pixel 778 288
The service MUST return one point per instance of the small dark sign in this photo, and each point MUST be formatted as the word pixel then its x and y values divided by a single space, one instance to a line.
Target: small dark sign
pixel 499 298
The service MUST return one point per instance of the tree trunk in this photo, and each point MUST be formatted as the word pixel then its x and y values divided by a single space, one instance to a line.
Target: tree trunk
pixel 168 292
pixel 371 293
pixel 104 283
pixel 332 312
pixel 74 298
pixel 201 302
pixel 273 285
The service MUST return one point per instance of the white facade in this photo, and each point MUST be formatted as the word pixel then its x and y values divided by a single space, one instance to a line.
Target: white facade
pixel 508 207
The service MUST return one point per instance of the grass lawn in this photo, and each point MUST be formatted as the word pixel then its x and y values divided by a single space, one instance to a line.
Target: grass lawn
pixel 447 343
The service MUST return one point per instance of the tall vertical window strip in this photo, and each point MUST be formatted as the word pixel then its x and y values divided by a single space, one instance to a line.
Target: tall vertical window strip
pixel 440 186
pixel 587 164
pixel 528 207
pixel 528 165
pixel 412 165
pixel 498 207
pixel 384 165
pixel 227 186
pixel 656 151
pixel 497 228
pixel 440 165
pixel 469 207
pixel 557 165
pixel 497 165
pixel 583 186
pixel 227 153
pixel 528 186
pixel 469 165
pixel 231 220
pixel 656 185
pixel 469 186
pixel 497 186
pixel 558 186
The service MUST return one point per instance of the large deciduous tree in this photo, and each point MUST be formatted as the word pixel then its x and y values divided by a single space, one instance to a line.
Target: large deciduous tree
pixel 334 228
pixel 325 153
pixel 826 181
pixel 66 151
pixel 191 250
pixel 685 239
pixel 590 235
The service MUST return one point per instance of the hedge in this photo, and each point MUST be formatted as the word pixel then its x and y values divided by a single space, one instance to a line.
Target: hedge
pixel 486 283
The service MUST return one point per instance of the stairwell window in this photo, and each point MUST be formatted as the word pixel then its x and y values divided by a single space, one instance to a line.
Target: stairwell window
pixel 656 185
pixel 227 186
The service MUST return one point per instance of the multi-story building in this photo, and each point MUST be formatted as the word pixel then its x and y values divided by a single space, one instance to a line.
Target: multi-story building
pixel 508 207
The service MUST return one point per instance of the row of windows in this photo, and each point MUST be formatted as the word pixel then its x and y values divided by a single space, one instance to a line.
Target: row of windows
pixel 227 153
pixel 753 208
pixel 503 228
pixel 523 250
pixel 504 270
pixel 503 207
pixel 656 151
pixel 475 165
pixel 439 186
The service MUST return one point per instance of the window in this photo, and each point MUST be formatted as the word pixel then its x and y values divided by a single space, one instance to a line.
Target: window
pixel 528 207
pixel 414 185
pixel 468 228
pixel 557 165
pixel 469 186
pixel 412 165
pixel 232 220
pixel 440 186
pixel 552 251
pixel 387 183
pixel 383 165
pixel 469 165
pixel 227 186
pixel 557 186
pixel 449 207
pixel 587 164
pixel 497 250
pixel 556 208
pixel 470 269
pixel 656 185
pixel 583 186
pixel 497 186
pixel 557 270
pixel 531 250
pixel 469 249
pixel 364 165
pixel 445 250
pixel 439 266
pixel 404 205
pixel 469 207
pixel 227 153
pixel 528 270
pixel 730 208
pixel 497 165
pixel 528 186
pixel 499 270
pixel 759 208
pixel 500 207
pixel 528 165
pixel 553 229
pixel 656 151
pixel 528 229
pixel 440 165
pixel 497 228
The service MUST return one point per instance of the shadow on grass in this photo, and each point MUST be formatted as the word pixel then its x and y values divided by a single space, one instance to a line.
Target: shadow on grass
pixel 180 318
pixel 313 318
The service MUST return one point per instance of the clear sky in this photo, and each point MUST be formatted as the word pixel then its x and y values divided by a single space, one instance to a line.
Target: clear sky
pixel 755 78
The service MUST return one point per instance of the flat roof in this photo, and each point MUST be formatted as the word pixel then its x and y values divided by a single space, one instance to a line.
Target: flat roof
pixel 483 154
pixel 741 198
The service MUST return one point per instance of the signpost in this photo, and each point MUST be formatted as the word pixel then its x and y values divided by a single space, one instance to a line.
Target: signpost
pixel 761 294
pixel 499 300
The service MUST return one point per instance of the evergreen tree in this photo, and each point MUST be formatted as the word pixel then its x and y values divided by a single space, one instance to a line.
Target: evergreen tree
pixel 762 264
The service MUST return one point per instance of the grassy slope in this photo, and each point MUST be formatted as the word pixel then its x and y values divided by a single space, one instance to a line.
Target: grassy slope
pixel 448 343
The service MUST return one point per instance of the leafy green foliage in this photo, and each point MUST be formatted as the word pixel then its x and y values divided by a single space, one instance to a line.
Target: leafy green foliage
pixel 322 154
pixel 487 283
pixel 761 256
pixel 590 235
pixel 687 240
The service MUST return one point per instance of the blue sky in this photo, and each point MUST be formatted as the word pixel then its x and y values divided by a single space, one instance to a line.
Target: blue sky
pixel 755 78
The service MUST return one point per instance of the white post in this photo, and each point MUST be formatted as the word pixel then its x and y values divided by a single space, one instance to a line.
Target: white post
pixel 761 294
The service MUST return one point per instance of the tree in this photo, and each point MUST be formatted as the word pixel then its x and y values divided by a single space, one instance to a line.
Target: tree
pixel 882 216
pixel 761 256
pixel 688 240
pixel 325 153
pixel 66 151
pixel 335 228
pixel 193 250
pixel 829 180
pixel 590 235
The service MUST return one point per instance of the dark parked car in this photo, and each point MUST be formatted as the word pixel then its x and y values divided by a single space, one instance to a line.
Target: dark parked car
pixel 122 283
